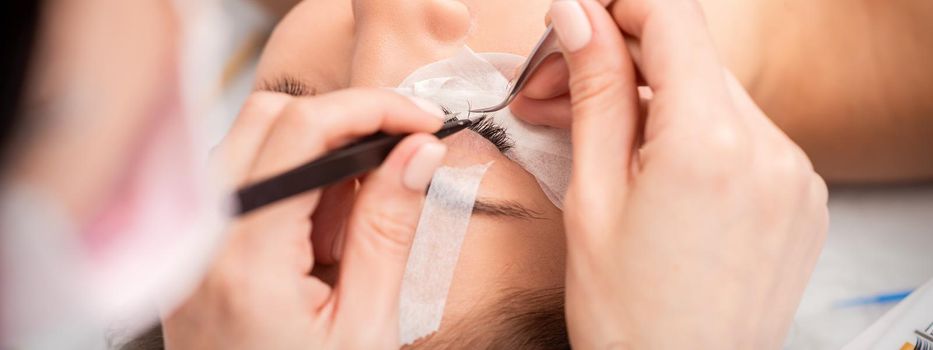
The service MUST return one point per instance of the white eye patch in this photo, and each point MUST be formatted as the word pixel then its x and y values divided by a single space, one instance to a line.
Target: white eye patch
pixel 477 80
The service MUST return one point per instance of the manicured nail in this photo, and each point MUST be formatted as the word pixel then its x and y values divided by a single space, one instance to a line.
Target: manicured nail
pixel 572 26
pixel 428 106
pixel 422 165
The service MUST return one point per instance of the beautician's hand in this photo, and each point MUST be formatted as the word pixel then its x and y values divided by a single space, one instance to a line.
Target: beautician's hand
pixel 694 227
pixel 258 294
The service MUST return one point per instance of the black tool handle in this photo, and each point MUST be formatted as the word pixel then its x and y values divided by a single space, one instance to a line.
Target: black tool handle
pixel 341 164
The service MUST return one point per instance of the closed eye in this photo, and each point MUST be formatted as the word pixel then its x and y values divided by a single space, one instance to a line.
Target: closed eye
pixel 287 84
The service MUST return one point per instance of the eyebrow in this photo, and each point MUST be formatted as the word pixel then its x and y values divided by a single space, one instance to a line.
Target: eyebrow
pixel 505 208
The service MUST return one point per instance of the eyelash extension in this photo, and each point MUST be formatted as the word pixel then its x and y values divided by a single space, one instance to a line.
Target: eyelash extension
pixel 496 134
pixel 288 85
pixel 489 130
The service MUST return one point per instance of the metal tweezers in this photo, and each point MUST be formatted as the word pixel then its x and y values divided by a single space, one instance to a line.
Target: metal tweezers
pixel 546 46
pixel 341 164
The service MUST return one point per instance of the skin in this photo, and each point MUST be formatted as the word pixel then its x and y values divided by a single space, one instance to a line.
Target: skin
pixel 845 80
pixel 371 47
pixel 727 277
pixel 257 293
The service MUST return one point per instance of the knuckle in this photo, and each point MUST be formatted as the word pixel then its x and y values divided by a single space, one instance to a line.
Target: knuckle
pixel 301 249
pixel 300 115
pixel 261 107
pixel 230 290
pixel 713 157
pixel 588 84
pixel 783 163
pixel 225 278
pixel 820 191
pixel 364 94
pixel 788 164
pixel 725 142
pixel 389 232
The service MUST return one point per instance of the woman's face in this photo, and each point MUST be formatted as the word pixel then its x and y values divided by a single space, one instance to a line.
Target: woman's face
pixel 323 46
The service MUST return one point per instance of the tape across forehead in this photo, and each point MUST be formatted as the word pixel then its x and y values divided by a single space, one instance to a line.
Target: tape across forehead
pixel 436 249
pixel 481 80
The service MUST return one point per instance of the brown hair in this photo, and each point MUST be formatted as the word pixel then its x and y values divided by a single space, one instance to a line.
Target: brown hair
pixel 520 319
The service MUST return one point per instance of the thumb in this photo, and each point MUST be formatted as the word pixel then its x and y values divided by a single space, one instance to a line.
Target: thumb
pixel 380 232
pixel 603 91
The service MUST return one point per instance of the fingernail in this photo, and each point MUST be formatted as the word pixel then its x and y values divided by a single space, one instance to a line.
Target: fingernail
pixel 428 106
pixel 422 165
pixel 572 26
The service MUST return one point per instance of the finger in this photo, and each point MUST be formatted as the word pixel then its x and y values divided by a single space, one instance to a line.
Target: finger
pixel 554 112
pixel 275 240
pixel 380 233
pixel 549 80
pixel 552 76
pixel 678 58
pixel 235 154
pixel 602 89
pixel 310 126
pixel 330 220
pixel 306 128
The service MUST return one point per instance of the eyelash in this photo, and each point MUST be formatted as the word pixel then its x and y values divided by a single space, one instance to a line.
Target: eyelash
pixel 288 85
pixel 489 130
pixel 496 134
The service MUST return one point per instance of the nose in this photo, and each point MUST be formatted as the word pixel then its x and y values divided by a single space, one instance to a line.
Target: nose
pixel 395 37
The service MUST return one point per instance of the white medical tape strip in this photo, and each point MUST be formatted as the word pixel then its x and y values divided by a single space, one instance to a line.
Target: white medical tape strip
pixel 435 250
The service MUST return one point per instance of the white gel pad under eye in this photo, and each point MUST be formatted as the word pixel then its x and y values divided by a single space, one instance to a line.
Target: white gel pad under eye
pixel 435 250
pixel 480 80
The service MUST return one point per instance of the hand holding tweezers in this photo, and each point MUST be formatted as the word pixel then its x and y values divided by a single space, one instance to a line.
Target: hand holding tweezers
pixel 341 164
